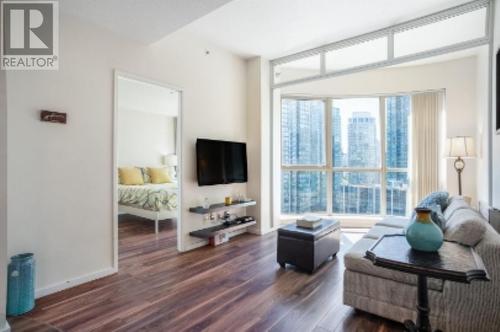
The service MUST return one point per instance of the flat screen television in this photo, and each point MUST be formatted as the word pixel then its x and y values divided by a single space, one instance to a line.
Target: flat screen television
pixel 221 162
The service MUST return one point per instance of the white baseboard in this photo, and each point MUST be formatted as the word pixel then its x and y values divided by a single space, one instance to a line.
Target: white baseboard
pixel 41 292
pixel 5 327
pixel 259 231
pixel 195 245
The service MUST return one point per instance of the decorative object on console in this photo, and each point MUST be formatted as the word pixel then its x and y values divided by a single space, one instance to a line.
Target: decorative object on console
pixel 423 234
pixel 54 117
pixel 231 227
pixel 206 203
pixel 460 147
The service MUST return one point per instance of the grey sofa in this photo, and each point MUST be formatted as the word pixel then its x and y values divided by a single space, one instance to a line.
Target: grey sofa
pixel 453 306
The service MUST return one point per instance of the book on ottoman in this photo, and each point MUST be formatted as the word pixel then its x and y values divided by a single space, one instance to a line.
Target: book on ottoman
pixel 309 222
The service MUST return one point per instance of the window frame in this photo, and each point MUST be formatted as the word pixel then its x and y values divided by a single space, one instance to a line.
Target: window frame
pixel 330 169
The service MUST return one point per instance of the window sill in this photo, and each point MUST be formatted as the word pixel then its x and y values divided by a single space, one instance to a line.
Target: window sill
pixel 347 221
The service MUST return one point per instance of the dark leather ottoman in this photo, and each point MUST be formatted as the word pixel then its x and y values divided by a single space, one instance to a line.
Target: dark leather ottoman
pixel 306 248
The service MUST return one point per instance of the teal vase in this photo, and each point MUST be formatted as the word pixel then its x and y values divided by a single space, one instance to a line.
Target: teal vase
pixel 422 233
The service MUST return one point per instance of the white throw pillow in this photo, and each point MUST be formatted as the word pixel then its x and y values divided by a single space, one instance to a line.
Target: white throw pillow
pixel 455 203
pixel 465 226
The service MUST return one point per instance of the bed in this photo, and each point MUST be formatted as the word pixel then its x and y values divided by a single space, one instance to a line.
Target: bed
pixel 152 201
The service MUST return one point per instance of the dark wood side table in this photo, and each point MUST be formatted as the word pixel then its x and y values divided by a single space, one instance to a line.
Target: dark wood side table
pixel 453 262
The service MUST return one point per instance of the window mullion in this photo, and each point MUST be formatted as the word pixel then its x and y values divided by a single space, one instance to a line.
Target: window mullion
pixel 383 182
pixel 329 155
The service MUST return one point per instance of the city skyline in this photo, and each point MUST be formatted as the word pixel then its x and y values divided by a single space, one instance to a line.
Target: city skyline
pixel 355 143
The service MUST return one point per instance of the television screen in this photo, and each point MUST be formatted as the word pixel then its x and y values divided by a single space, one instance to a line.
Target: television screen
pixel 220 162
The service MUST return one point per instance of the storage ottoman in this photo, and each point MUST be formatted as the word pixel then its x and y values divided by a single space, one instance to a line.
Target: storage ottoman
pixel 306 248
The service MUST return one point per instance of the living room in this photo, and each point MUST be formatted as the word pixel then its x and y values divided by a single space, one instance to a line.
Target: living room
pixel 347 126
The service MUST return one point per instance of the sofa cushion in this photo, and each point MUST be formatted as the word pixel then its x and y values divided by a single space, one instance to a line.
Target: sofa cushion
pixel 455 203
pixel 355 260
pixel 396 222
pixel 465 226
pixel 377 231
pixel 438 197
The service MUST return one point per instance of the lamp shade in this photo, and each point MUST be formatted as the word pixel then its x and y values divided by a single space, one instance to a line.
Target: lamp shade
pixel 460 146
pixel 170 160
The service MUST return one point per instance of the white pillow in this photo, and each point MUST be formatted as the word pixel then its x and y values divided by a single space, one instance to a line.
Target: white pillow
pixel 455 203
pixel 465 226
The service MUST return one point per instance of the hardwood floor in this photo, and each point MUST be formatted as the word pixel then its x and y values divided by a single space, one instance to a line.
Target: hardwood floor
pixel 235 287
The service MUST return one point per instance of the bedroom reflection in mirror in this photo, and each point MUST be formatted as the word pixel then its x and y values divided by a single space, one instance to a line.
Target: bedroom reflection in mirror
pixel 146 159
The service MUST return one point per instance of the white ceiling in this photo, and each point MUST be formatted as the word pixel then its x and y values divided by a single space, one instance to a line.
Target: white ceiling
pixel 146 21
pixel 281 27
pixel 141 96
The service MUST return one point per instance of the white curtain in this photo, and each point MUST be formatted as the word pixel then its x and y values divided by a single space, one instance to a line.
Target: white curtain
pixel 426 109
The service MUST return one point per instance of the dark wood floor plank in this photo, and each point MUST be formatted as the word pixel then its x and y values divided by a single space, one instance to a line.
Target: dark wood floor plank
pixel 234 287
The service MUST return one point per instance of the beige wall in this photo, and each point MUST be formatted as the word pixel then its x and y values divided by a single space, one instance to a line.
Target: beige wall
pixel 483 124
pixel 143 138
pixel 457 77
pixel 496 137
pixel 3 198
pixel 258 149
pixel 60 176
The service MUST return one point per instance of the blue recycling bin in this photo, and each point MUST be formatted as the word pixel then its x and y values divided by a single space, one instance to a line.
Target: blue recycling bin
pixel 21 284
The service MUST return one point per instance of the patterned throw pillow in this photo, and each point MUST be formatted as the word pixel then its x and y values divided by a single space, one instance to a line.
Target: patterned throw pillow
pixel 438 197
pixel 437 216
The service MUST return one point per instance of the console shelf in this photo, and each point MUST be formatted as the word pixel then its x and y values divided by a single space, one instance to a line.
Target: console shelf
pixel 221 207
pixel 211 232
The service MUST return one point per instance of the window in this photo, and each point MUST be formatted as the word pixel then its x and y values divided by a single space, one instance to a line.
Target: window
pixel 371 51
pixel 362 168
pixel 297 69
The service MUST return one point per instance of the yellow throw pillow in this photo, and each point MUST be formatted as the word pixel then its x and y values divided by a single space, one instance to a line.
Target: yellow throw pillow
pixel 130 175
pixel 159 175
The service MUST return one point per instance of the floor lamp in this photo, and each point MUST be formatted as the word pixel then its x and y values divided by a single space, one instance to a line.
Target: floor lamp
pixel 459 148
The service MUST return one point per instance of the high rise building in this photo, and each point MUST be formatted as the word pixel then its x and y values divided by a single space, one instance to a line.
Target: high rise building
pixel 337 153
pixel 398 115
pixel 303 143
pixel 355 192
pixel 397 140
pixel 361 190
pixel 362 140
